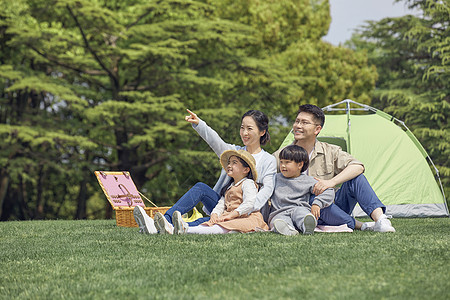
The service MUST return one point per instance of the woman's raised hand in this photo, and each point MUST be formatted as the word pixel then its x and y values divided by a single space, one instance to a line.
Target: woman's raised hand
pixel 192 118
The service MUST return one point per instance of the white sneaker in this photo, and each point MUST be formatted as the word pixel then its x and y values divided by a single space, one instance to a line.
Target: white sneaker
pixel 309 224
pixel 162 225
pixel 282 227
pixel 367 226
pixel 139 219
pixel 145 223
pixel 179 225
pixel 383 225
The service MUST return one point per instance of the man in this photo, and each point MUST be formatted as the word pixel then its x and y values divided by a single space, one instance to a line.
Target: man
pixel 331 166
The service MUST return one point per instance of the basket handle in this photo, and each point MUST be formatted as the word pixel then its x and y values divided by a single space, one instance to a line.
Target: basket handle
pixel 128 195
pixel 143 196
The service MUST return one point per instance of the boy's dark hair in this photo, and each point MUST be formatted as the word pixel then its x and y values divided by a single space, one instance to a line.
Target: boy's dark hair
pixel 249 175
pixel 316 111
pixel 262 121
pixel 297 154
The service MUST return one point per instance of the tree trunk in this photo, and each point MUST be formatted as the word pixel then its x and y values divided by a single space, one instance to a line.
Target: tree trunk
pixel 4 183
pixel 82 200
pixel 108 211
pixel 8 205
pixel 24 211
pixel 39 214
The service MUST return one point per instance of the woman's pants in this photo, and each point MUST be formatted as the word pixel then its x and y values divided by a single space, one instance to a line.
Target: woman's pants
pixel 200 192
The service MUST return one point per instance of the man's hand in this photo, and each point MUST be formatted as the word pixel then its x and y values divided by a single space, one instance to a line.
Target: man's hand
pixel 315 210
pixel 192 118
pixel 322 185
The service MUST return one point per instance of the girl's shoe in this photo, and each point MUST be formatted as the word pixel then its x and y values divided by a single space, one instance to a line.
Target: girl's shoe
pixel 162 225
pixel 309 224
pixel 179 225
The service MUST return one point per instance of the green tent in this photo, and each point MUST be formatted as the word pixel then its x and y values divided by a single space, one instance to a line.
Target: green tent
pixel 395 162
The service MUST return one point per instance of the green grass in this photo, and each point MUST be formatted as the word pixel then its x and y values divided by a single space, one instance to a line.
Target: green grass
pixel 98 260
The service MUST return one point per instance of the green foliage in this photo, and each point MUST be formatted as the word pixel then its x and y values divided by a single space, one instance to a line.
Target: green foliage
pixel 98 260
pixel 103 85
pixel 326 74
pixel 280 23
pixel 411 54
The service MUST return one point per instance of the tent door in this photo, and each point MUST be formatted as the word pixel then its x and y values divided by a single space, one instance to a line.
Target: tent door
pixel 335 141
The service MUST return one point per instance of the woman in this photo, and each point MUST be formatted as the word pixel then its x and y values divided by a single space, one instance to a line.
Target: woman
pixel 254 133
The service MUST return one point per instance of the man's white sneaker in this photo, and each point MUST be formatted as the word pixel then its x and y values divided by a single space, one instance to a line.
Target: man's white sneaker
pixel 367 226
pixel 179 225
pixel 145 223
pixel 162 225
pixel 383 225
pixel 282 227
pixel 309 224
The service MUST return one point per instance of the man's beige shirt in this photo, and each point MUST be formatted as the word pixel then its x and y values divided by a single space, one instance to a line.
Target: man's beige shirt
pixel 326 160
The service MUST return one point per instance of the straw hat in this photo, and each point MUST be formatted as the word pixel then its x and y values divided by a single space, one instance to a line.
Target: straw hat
pixel 246 156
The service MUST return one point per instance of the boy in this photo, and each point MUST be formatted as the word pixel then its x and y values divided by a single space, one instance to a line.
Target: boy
pixel 291 210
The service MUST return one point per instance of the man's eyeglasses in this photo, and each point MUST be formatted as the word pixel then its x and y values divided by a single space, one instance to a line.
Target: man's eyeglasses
pixel 304 123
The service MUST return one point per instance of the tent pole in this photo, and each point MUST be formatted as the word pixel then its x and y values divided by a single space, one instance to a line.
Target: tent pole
pixel 347 103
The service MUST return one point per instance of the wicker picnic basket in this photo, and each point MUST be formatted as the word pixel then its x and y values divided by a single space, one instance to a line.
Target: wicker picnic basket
pixel 123 196
pixel 125 218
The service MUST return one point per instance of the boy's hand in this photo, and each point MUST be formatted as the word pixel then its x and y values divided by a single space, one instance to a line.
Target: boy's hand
pixel 192 118
pixel 315 210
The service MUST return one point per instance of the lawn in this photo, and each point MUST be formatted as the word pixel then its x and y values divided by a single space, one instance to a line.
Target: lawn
pixel 98 260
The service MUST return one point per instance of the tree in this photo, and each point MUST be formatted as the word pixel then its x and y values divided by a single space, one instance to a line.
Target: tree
pixel 116 75
pixel 411 54
pixel 103 85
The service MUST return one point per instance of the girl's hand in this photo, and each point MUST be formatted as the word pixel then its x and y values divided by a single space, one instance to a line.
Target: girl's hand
pixel 315 210
pixel 226 218
pixel 214 218
pixel 192 118
pixel 231 216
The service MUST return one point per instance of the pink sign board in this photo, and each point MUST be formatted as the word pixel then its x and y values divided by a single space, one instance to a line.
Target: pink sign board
pixel 119 188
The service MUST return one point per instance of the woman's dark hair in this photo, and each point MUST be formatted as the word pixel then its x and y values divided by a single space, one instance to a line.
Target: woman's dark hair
pixel 262 121
pixel 316 111
pixel 249 176
pixel 297 154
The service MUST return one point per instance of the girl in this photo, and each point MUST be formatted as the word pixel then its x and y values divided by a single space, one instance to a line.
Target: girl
pixel 254 132
pixel 233 212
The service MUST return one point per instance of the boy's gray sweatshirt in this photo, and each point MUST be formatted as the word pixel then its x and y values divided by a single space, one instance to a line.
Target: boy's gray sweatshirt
pixel 297 191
